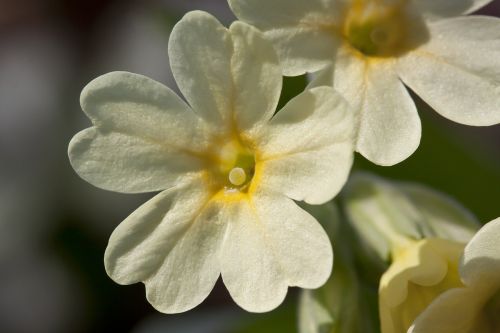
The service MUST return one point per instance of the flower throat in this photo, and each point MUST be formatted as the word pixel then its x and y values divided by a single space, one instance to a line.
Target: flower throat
pixel 379 28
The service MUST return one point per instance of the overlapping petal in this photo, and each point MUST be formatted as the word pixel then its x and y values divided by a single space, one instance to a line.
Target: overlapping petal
pixel 425 264
pixel 454 311
pixel 461 59
pixel 304 48
pixel 458 58
pixel 145 138
pixel 172 244
pixel 436 9
pixel 462 310
pixel 267 15
pixel 431 264
pixel 271 244
pixel 389 125
pixel 346 76
pixel 231 78
pixel 481 258
pixel 301 31
pixel 306 149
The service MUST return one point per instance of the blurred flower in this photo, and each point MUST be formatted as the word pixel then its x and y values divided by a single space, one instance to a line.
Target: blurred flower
pixel 422 232
pixel 340 306
pixel 230 168
pixel 475 306
pixel 369 50
pixel 419 273
pixel 386 214
pixel 457 296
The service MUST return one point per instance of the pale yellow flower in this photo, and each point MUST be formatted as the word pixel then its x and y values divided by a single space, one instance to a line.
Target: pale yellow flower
pixel 230 170
pixel 437 285
pixel 475 307
pixel 372 50
pixel 419 272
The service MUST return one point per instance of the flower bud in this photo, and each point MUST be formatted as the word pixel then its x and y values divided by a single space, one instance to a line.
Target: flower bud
pixel 418 274
pixel 388 215
pixel 473 307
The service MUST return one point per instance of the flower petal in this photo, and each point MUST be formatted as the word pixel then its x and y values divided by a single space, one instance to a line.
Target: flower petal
pixel 454 311
pixel 306 150
pixel 138 106
pixel 271 244
pixel 390 128
pixel 278 13
pixel 381 214
pixel 425 264
pixel 299 30
pixel 230 77
pixel 200 55
pixel 457 72
pixel 346 76
pixel 144 137
pixel 429 263
pixel 481 258
pixel 444 216
pixel 459 309
pixel 303 48
pixel 436 9
pixel 122 163
pixel 171 243
pixel 256 75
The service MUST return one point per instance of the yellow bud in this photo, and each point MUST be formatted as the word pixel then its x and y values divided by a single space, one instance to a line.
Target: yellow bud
pixel 419 273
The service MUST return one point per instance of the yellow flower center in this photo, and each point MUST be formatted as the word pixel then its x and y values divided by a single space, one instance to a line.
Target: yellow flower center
pixel 235 166
pixel 382 28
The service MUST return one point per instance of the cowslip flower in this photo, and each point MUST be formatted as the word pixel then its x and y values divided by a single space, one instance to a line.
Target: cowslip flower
pixel 369 50
pixel 230 170
pixel 441 286
pixel 419 272
pixel 415 235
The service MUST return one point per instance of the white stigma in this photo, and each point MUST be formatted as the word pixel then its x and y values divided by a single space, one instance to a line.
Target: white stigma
pixel 237 176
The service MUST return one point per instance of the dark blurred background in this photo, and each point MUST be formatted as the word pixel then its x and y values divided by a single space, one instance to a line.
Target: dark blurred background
pixel 54 227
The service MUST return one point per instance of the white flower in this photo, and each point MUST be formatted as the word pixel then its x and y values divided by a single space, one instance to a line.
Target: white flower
pixel 369 50
pixel 474 307
pixel 230 169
